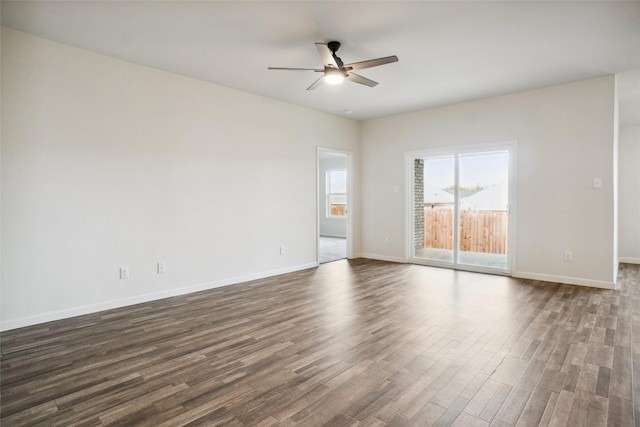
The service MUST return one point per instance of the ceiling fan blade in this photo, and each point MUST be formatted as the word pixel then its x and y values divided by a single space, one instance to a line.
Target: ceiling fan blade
pixel 371 63
pixel 326 55
pixel 295 69
pixel 359 79
pixel 316 83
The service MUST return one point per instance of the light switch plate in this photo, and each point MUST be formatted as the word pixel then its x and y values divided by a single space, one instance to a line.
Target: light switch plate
pixel 597 182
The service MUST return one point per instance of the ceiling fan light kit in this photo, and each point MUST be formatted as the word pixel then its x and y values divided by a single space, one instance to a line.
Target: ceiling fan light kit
pixel 335 71
pixel 333 76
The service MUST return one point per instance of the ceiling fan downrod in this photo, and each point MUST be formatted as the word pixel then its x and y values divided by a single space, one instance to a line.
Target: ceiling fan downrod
pixel 333 47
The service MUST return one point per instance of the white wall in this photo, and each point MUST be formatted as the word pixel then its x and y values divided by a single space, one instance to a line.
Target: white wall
pixel 108 164
pixel 629 195
pixel 330 227
pixel 565 137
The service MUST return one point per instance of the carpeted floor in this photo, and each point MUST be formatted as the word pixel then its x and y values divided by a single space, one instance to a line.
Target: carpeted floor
pixel 332 249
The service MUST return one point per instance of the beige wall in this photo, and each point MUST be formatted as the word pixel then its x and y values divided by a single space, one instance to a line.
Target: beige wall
pixel 108 164
pixel 565 138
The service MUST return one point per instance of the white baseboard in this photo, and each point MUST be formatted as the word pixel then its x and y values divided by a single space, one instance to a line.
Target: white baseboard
pixel 93 308
pixel 564 279
pixel 380 257
pixel 629 260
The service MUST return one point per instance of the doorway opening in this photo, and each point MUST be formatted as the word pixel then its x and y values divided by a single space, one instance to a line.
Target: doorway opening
pixel 333 225
pixel 461 208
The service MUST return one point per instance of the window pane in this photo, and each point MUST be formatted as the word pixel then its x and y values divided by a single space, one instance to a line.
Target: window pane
pixel 337 199
pixel 337 205
pixel 434 214
pixel 337 181
pixel 483 222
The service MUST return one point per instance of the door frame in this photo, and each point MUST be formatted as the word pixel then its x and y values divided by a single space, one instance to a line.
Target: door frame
pixel 349 169
pixel 512 147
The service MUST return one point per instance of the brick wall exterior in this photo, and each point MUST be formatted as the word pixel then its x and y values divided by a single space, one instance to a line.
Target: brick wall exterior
pixel 418 215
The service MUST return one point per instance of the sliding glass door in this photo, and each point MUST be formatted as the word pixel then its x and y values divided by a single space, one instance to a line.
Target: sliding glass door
pixel 460 208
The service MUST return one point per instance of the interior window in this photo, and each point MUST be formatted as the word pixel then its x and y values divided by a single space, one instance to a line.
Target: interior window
pixel 336 193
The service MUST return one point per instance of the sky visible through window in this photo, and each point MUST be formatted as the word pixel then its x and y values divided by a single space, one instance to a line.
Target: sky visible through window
pixel 481 170
pixel 337 181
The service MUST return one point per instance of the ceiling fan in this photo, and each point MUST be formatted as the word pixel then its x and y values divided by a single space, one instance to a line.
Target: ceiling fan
pixel 335 71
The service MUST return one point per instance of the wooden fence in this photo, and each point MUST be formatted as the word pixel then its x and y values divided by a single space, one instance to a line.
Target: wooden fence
pixel 480 231
pixel 338 210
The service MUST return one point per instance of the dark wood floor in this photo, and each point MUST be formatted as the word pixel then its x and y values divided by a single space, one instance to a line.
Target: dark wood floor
pixel 359 343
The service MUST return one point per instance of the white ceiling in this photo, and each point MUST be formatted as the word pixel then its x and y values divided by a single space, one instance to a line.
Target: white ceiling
pixel 448 51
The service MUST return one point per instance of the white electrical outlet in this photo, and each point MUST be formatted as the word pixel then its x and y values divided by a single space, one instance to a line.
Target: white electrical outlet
pixel 124 272
pixel 386 240
pixel 281 250
pixel 567 255
pixel 162 268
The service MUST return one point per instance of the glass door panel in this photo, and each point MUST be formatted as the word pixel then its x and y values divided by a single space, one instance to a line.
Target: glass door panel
pixel 434 224
pixel 483 200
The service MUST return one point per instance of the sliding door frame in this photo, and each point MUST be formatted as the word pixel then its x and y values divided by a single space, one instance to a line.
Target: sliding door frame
pixel 410 156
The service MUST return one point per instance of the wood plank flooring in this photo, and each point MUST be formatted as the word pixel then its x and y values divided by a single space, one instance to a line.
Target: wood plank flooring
pixel 351 343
